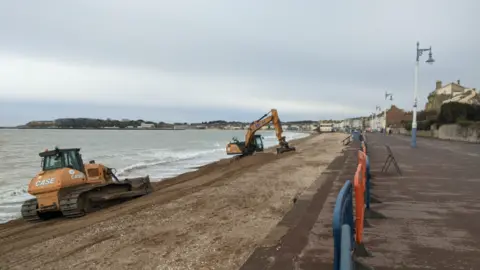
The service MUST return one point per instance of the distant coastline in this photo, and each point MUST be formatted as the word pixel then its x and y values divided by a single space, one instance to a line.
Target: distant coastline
pixel 126 124
pixel 141 129
pixel 88 128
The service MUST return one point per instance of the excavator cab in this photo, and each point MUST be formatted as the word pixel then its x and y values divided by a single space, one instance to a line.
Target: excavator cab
pixel 258 142
pixel 236 147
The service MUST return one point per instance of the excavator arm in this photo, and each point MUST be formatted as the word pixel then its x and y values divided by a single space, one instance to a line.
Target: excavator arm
pixel 249 146
pixel 270 117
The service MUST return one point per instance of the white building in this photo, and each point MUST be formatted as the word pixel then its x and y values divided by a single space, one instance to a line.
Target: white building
pixel 180 127
pixel 145 125
pixel 377 122
pixel 451 89
pixel 339 125
pixel 326 127
pixel 357 123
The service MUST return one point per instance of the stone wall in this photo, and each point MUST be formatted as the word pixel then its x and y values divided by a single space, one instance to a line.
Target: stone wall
pixel 447 132
pixel 458 133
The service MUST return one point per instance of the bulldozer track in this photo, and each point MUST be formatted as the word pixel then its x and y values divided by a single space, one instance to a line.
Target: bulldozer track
pixel 71 206
pixel 29 210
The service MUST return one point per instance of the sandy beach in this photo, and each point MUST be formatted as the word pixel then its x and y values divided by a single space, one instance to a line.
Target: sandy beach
pixel 211 218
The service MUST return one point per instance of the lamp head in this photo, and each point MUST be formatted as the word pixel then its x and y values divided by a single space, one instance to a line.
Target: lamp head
pixel 430 60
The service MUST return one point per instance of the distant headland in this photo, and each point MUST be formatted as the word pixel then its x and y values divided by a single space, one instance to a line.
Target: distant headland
pixel 126 124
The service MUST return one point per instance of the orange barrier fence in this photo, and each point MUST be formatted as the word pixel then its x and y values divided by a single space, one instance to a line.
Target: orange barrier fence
pixel 359 184
pixel 362 159
pixel 364 148
pixel 345 219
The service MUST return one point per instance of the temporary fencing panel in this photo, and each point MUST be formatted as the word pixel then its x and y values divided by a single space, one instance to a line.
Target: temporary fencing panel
pixel 342 215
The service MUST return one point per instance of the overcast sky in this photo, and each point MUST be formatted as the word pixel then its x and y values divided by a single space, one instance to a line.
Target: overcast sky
pixel 234 60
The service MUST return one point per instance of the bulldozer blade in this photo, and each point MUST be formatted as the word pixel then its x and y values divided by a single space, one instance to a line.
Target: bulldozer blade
pixel 116 196
pixel 142 183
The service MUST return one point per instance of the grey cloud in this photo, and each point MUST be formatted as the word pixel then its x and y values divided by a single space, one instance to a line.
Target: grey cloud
pixel 357 49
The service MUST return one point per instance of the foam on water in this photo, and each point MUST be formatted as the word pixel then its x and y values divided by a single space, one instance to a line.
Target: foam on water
pixel 159 163
pixel 168 158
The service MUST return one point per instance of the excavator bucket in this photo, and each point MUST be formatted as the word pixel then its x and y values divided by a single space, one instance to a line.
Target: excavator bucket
pixel 284 146
pixel 281 150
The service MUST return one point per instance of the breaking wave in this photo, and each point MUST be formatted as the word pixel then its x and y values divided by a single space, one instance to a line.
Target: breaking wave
pixel 166 158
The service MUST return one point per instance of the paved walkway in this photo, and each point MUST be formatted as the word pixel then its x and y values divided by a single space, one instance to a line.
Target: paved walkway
pixel 433 210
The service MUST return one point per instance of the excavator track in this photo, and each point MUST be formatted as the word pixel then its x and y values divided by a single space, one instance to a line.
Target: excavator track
pixel 72 205
pixel 29 210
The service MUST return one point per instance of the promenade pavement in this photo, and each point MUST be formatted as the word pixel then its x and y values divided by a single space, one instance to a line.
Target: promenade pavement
pixel 432 210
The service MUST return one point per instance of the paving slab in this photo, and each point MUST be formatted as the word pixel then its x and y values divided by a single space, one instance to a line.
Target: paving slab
pixel 432 210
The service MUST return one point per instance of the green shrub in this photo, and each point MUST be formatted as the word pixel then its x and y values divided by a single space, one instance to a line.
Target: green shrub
pixel 453 112
pixel 464 123
pixel 407 125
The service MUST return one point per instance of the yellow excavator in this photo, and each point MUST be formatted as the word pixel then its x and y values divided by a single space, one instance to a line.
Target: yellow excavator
pixel 254 143
pixel 68 187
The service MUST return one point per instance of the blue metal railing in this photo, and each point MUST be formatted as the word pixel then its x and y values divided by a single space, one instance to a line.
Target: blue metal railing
pixel 346 260
pixel 355 136
pixel 367 186
pixel 369 177
pixel 343 215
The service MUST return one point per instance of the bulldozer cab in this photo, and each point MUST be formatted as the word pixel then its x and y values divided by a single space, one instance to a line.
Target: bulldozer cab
pixel 62 158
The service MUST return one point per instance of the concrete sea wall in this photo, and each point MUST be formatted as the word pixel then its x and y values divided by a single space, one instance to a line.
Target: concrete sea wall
pixel 453 132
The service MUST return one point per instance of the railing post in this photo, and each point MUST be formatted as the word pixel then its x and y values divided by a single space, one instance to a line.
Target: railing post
pixel 367 187
pixel 346 260
pixel 342 214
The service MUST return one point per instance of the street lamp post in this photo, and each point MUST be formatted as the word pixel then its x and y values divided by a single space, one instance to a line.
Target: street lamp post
pixel 387 95
pixel 415 90
pixel 372 122
pixel 377 109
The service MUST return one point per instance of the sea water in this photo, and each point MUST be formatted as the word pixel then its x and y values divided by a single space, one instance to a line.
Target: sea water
pixel 158 153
